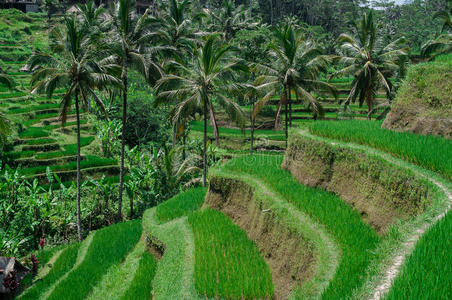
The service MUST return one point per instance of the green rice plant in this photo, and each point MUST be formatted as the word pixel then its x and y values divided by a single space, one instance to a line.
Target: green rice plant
pixel 430 152
pixel 62 265
pixel 227 263
pixel 18 154
pixel 199 127
pixel 181 204
pixel 427 272
pixel 41 141
pixel 12 95
pixel 108 247
pixel 356 240
pixel 141 286
pixel 34 132
pixel 33 108
pixel 69 150
pixel 90 162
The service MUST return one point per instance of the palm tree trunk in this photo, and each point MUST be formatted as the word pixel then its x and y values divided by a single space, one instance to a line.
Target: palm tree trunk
pixel 286 127
pixel 290 107
pixel 204 154
pixel 123 140
pixel 252 130
pixel 79 219
pixel 271 12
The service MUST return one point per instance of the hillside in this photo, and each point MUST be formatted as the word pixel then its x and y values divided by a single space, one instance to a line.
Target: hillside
pixel 424 102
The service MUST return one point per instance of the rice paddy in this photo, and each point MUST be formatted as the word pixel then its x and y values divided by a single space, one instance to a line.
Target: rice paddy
pixel 228 264
pixel 430 152
pixel 181 204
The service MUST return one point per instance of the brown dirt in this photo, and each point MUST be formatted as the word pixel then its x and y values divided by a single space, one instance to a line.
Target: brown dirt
pixel 289 256
pixel 400 120
pixel 155 247
pixel 379 191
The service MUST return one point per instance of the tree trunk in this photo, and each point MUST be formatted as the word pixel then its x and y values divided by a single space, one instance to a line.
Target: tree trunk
pixel 79 219
pixel 286 127
pixel 252 130
pixel 131 207
pixel 290 107
pixel 204 158
pixel 271 12
pixel 123 140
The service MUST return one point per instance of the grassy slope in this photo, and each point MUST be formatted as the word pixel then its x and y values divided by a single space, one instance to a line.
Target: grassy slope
pixel 181 204
pixel 431 152
pixel 62 265
pixel 356 240
pixel 427 272
pixel 228 264
pixel 431 260
pixel 108 247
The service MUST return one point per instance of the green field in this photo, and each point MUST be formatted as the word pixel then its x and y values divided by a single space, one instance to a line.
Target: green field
pixel 228 264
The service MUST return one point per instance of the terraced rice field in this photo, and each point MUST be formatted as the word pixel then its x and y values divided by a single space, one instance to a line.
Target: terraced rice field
pixel 41 143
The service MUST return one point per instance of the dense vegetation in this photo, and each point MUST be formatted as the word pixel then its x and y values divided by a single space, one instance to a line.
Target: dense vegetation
pixel 106 112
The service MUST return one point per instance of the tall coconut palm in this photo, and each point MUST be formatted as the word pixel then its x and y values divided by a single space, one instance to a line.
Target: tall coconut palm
pixel 446 17
pixel 77 67
pixel 208 79
pixel 295 69
pixel 230 18
pixel 370 61
pixel 130 39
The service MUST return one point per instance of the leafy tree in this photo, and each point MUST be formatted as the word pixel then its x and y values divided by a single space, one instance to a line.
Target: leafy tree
pixel 370 61
pixel 446 17
pixel 209 78
pixel 75 66
pixel 443 43
pixel 295 68
pixel 230 18
pixel 130 39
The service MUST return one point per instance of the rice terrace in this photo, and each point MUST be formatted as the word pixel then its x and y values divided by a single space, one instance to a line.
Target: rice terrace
pixel 226 149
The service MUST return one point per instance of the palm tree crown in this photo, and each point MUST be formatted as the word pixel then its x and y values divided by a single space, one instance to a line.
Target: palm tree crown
pixel 295 68
pixel 370 61
pixel 208 78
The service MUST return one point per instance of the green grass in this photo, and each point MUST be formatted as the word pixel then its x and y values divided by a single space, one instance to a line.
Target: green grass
pixel 427 272
pixel 34 132
pixel 356 239
pixel 33 108
pixel 109 246
pixel 228 264
pixel 430 152
pixel 181 204
pixel 69 150
pixel 18 154
pixel 141 286
pixel 199 126
pixel 62 265
pixel 41 141
pixel 90 162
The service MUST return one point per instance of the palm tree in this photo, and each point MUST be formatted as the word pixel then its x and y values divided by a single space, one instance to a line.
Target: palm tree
pixel 370 61
pixel 446 17
pixel 443 43
pixel 295 68
pixel 130 39
pixel 209 78
pixel 91 14
pixel 229 19
pixel 75 66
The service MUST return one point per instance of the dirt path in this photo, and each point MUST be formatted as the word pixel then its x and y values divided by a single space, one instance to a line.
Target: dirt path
pixel 394 267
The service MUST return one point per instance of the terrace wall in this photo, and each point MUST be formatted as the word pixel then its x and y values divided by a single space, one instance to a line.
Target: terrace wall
pixel 380 191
